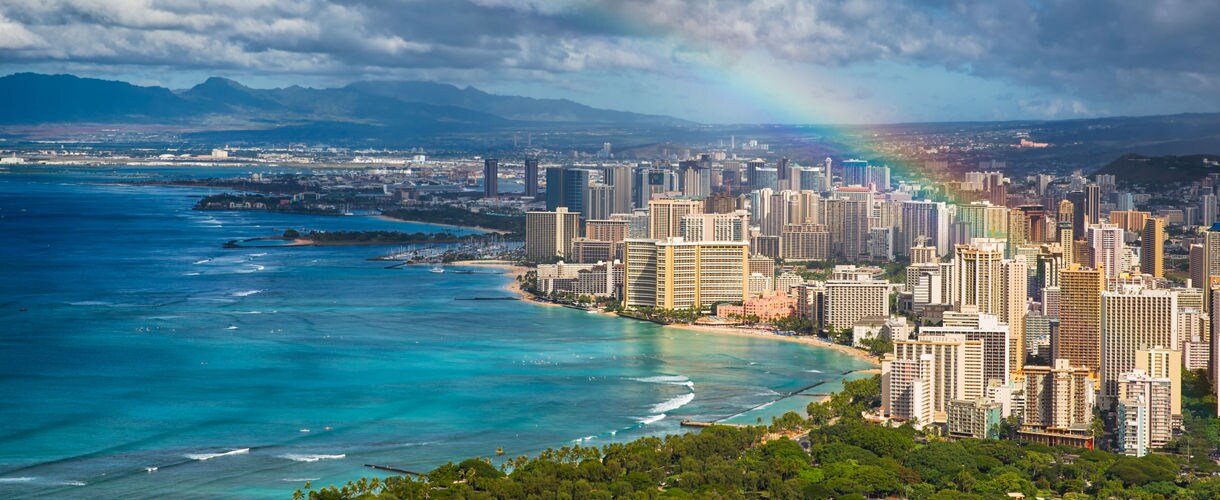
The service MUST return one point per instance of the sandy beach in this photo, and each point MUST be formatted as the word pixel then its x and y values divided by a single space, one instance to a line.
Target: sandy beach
pixel 514 269
pixel 766 334
pixel 514 286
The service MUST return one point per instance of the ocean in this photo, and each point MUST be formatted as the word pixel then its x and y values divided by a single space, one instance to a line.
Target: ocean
pixel 140 359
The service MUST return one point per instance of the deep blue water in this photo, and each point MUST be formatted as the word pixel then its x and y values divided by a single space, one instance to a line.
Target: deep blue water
pixel 129 339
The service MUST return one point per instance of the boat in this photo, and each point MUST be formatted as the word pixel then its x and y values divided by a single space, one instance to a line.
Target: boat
pixel 437 270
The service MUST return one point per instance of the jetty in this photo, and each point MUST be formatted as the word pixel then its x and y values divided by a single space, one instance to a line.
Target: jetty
pixel 686 422
pixel 394 470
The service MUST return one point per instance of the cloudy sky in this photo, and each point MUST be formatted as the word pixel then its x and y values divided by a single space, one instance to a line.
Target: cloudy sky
pixel 789 61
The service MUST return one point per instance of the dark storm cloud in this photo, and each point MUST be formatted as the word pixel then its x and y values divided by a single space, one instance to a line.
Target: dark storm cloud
pixel 1100 49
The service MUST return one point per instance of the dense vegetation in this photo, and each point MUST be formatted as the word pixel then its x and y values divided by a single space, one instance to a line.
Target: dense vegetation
pixel 444 214
pixel 1160 170
pixel 831 452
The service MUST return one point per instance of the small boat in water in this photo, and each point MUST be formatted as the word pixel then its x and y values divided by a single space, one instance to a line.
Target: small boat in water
pixel 437 270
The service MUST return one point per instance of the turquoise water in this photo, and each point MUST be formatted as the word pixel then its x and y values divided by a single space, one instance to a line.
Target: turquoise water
pixel 131 340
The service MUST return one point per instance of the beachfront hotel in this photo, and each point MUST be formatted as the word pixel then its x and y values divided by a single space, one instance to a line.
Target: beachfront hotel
pixel 677 274
pixel 549 234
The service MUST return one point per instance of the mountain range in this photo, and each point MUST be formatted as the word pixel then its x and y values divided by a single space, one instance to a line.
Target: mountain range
pixel 31 98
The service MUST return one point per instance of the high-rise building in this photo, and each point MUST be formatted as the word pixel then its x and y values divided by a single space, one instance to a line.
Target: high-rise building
pixel 531 177
pixel 985 328
pixel 880 244
pixel 1207 210
pixel 1133 318
pixel 783 169
pixel 1080 219
pixel 1058 398
pixel 567 187
pixel 925 219
pixel 716 227
pixel 752 168
pixel 1164 362
pixel 957 367
pixel 855 172
pixel 1143 417
pixel 976 278
pixel 986 220
pixel 1198 266
pixel 620 179
pixel 678 274
pixel 720 203
pixel 587 251
pixel 1079 337
pixel 665 216
pixel 850 300
pixel 694 180
pixel 612 230
pixel 1211 253
pixel 491 177
pixel 1092 210
pixel 766 178
pixel 549 234
pixel 979 418
pixel 847 221
pixel 1018 228
pixel 804 242
pixel 1152 247
pixel 878 177
pixel 921 254
pixel 651 182
pixel 907 393
pixel 1129 220
pixel 1014 295
pixel 813 179
pixel 1106 243
pixel 599 201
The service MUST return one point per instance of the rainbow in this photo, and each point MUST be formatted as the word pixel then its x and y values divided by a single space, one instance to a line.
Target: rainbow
pixel 791 95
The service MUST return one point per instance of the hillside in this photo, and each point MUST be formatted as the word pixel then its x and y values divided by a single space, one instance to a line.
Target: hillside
pixel 379 108
pixel 511 107
pixel 1161 170
pixel 30 98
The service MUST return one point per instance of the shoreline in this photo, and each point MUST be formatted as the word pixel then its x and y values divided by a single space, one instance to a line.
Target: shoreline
pixel 809 340
pixel 514 286
pixel 515 270
pixel 469 228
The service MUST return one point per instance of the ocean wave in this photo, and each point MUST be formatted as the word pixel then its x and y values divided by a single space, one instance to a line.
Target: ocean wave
pixel 250 268
pixel 652 419
pixel 246 293
pixel 190 274
pixel 811 370
pixel 673 404
pixel 202 261
pixel 231 327
pixel 91 303
pixel 311 458
pixel 667 379
pixel 209 456
pixel 72 483
pixel 260 254
pixel 298 479
pixel 16 479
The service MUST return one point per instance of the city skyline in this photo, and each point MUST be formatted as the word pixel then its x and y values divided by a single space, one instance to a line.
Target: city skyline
pixel 783 62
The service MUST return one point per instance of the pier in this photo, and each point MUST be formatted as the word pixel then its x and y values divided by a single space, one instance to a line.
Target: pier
pixel 694 423
pixel 394 470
